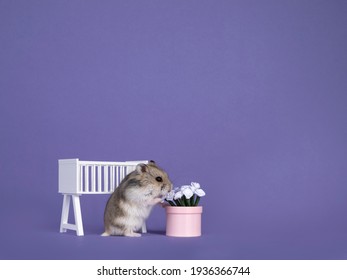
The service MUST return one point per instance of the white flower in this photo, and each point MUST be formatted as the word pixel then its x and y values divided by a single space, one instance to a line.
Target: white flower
pixel 187 191
pixel 200 192
pixel 170 196
pixel 195 187
pixel 184 191
pixel 178 195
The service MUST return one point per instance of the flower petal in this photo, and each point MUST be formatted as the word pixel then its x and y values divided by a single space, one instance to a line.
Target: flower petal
pixel 185 187
pixel 178 195
pixel 200 192
pixel 170 196
pixel 188 193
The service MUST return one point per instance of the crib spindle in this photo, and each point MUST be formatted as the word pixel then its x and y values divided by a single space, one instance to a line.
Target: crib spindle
pixel 80 183
pixel 86 178
pixel 93 178
pixel 117 176
pixel 111 178
pixel 98 168
pixel 122 172
pixel 115 183
pixel 106 189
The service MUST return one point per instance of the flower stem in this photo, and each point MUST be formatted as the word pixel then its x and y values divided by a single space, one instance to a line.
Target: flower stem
pixel 177 202
pixel 171 203
pixel 197 201
pixel 187 201
pixel 192 200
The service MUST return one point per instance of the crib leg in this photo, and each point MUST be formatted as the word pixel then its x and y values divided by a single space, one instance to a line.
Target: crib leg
pixel 144 228
pixel 64 224
pixel 78 214
pixel 65 212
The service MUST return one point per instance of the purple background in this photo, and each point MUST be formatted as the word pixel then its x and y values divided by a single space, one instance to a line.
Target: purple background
pixel 246 97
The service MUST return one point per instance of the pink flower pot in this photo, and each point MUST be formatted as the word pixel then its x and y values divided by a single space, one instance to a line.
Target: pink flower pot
pixel 183 221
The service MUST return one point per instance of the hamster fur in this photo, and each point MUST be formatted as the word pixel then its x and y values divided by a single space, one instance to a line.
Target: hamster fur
pixel 131 203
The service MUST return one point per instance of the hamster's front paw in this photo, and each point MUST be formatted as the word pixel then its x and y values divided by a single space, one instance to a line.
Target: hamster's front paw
pixel 157 200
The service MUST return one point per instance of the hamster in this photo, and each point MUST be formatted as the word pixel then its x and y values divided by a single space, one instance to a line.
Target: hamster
pixel 131 203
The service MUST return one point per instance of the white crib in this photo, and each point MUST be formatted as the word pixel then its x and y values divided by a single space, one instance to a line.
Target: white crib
pixel 88 177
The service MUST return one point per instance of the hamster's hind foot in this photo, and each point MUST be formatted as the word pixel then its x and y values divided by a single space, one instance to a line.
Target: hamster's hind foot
pixel 132 234
pixel 105 234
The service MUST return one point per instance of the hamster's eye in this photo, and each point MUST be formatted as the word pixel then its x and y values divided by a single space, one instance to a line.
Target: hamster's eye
pixel 159 179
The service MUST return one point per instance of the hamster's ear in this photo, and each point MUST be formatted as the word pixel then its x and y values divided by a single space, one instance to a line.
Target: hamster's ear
pixel 152 162
pixel 141 168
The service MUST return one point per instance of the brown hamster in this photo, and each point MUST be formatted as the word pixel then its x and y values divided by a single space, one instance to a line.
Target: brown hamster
pixel 131 203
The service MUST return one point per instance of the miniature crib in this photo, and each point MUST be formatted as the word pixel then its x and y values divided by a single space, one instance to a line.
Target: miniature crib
pixel 88 177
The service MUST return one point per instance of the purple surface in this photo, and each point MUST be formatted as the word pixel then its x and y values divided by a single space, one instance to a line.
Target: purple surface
pixel 246 97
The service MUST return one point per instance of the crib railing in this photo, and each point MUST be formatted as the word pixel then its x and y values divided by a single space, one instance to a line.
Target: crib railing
pixel 100 178
pixel 103 177
pixel 88 177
